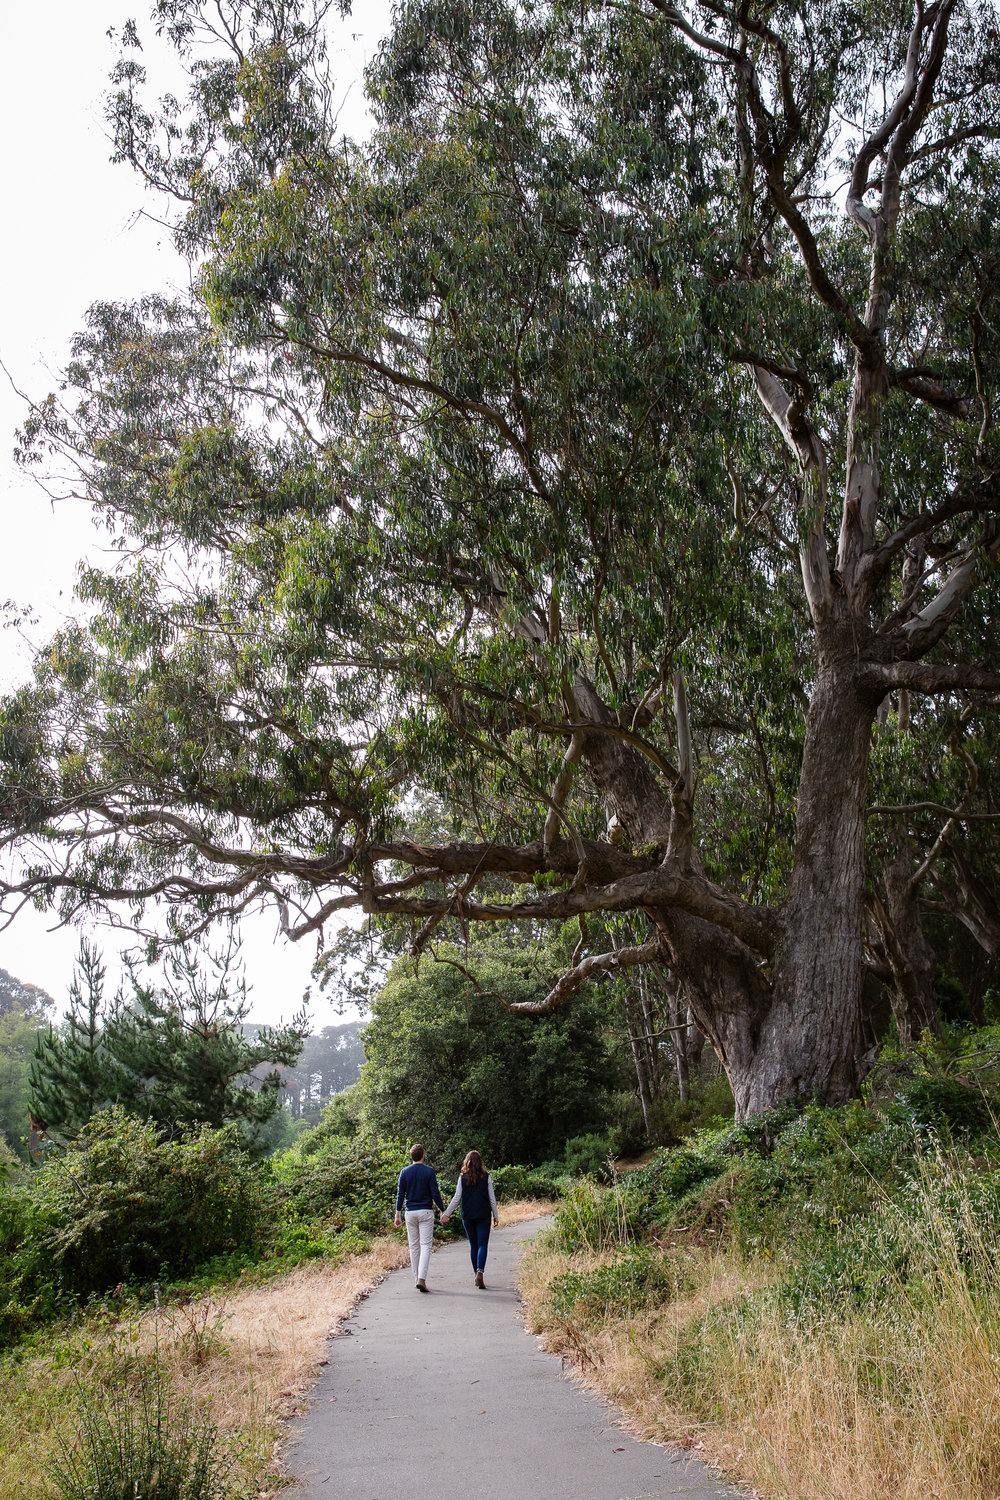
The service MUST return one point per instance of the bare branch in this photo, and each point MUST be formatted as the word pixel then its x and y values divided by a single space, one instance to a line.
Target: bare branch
pixel 560 792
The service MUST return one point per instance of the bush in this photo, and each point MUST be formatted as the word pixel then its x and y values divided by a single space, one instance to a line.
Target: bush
pixel 339 1120
pixel 641 1277
pixel 350 1180
pixel 511 1182
pixel 588 1155
pixel 122 1204
pixel 149 1446
pixel 29 1292
pixel 945 1102
pixel 525 1182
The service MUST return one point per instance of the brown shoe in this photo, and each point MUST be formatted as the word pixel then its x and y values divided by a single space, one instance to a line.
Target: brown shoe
pixel 421 1286
pixel 479 1279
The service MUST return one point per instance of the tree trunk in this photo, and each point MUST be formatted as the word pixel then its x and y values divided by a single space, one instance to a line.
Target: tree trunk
pixel 808 1042
pixel 641 1072
pixel 910 955
pixel 794 1031
pixel 979 909
pixel 679 1037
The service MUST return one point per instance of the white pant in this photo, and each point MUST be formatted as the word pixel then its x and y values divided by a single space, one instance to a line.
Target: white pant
pixel 420 1233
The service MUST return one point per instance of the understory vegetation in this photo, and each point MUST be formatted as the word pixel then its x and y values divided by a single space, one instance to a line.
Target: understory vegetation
pixel 164 1297
pixel 812 1299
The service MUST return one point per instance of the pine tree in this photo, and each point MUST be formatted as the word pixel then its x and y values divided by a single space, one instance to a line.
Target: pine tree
pixel 177 1054
pixel 72 1076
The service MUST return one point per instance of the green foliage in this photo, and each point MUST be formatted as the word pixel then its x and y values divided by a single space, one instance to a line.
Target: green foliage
pixel 146 1445
pixel 525 1182
pixel 594 1217
pixel 344 1180
pixel 451 1067
pixel 71 1077
pixel 123 1204
pixel 640 1277
pixel 588 1155
pixel 30 1292
pixel 179 1055
pixel 339 1120
pixel 22 1017
pixel 848 1204
pixel 949 1104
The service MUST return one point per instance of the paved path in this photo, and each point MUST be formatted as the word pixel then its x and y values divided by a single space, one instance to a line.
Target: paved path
pixel 445 1397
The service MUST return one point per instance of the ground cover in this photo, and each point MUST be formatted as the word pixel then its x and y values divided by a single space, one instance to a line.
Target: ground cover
pixel 813 1302
pixel 243 1350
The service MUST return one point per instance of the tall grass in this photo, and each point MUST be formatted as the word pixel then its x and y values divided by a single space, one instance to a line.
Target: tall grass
pixel 594 1217
pixel 887 1393
pixel 146 1445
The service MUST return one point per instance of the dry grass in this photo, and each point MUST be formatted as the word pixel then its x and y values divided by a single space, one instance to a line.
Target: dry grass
pixel 520 1210
pixel 902 1403
pixel 250 1355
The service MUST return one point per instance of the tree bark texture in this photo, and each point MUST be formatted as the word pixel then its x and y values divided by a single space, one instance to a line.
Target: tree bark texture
pixel 808 1040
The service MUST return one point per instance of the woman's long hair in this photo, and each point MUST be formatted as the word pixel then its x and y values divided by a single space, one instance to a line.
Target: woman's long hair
pixel 472 1168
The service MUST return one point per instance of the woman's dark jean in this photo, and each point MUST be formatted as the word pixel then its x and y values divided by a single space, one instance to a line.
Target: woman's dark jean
pixel 478 1231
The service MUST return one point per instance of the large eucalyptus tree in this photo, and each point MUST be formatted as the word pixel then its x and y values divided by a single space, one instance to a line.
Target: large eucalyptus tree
pixel 621 412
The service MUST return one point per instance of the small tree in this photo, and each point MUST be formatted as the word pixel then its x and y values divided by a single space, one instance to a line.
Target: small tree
pixel 448 1064
pixel 178 1055
pixel 72 1076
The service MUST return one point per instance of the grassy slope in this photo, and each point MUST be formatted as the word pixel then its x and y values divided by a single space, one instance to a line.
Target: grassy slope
pixel 821 1320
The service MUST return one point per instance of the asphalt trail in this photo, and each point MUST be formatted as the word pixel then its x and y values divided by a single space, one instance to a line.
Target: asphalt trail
pixel 446 1396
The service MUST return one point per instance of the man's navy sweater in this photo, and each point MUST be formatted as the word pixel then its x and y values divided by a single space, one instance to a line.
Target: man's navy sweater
pixel 418 1184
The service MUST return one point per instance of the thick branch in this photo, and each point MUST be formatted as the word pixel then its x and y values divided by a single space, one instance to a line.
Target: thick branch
pixel 619 958
pixel 756 926
pixel 785 412
pixel 926 677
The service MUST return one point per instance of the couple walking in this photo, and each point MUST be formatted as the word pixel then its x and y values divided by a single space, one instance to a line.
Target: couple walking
pixel 418 1189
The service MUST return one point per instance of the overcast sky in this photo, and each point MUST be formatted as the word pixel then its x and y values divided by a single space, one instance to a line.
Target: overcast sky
pixel 72 237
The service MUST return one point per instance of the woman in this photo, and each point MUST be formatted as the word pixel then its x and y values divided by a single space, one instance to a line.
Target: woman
pixel 479 1205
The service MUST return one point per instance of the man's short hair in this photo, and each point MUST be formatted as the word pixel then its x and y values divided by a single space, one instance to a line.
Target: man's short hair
pixel 416 1153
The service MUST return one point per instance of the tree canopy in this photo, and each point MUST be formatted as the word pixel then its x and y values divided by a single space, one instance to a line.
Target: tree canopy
pixel 449 1066
pixel 605 446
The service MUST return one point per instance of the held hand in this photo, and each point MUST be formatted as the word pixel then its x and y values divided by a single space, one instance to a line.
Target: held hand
pixel 445 1218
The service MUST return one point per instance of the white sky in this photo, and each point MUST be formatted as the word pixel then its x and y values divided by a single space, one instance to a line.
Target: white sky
pixel 71 238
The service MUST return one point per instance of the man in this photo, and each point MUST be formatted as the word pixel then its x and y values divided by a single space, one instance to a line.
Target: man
pixel 418 1188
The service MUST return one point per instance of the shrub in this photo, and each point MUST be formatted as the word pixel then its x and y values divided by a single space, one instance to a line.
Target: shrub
pixel 526 1182
pixel 641 1277
pixel 350 1180
pixel 945 1102
pixel 511 1182
pixel 29 1292
pixel 588 1155
pixel 122 1204
pixel 545 1184
pixel 149 1445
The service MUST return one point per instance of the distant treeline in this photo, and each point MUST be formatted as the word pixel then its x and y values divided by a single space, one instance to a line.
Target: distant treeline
pixel 330 1061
